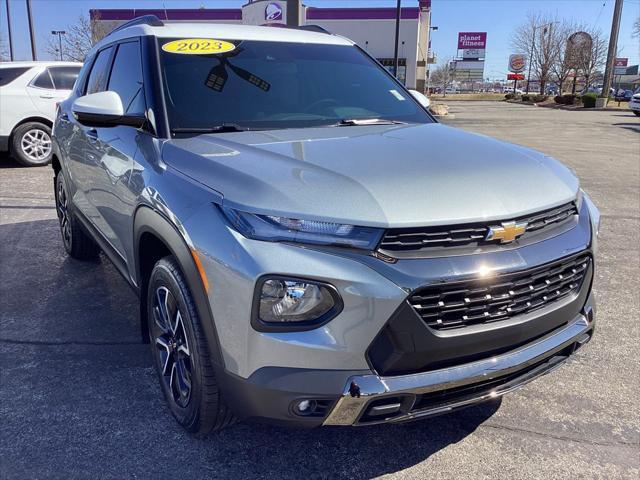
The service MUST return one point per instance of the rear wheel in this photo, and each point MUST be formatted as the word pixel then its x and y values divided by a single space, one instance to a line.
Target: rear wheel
pixel 76 241
pixel 181 353
pixel 31 145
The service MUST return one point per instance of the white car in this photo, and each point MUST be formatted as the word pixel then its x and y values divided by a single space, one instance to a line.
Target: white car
pixel 29 92
pixel 634 103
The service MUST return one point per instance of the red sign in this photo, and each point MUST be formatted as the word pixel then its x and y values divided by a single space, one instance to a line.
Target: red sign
pixel 620 62
pixel 472 40
pixel 515 76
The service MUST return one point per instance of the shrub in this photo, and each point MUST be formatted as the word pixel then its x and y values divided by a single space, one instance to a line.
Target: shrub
pixel 540 98
pixel 509 96
pixel 589 100
pixel 558 99
pixel 526 98
pixel 569 99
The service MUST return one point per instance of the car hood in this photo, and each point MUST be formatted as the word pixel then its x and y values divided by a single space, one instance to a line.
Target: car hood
pixel 377 175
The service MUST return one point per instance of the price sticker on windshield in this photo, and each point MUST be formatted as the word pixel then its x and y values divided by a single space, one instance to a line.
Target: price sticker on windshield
pixel 198 46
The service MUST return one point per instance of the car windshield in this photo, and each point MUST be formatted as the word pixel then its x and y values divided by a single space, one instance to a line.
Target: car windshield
pixel 273 85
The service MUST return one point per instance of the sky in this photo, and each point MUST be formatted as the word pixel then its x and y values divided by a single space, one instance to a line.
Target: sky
pixel 497 17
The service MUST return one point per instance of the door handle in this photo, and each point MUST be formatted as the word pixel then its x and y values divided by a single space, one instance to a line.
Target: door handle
pixel 44 95
pixel 64 117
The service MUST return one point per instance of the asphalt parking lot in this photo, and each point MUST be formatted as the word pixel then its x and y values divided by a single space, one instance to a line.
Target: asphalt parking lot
pixel 79 398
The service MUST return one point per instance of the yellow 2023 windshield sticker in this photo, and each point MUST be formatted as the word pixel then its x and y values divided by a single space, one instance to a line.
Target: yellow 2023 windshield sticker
pixel 198 46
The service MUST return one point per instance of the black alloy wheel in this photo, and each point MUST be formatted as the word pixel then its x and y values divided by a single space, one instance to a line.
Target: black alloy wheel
pixel 62 207
pixel 172 346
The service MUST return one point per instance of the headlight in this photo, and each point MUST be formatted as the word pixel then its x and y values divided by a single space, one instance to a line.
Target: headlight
pixel 282 229
pixel 293 304
pixel 594 213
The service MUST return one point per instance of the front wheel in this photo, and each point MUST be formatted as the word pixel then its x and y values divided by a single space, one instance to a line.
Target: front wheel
pixel 181 353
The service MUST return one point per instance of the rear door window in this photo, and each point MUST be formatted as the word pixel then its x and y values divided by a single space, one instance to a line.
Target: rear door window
pixel 99 72
pixel 64 77
pixel 8 75
pixel 43 80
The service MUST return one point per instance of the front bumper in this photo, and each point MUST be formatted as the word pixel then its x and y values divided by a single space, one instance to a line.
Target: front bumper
pixel 266 373
pixel 369 399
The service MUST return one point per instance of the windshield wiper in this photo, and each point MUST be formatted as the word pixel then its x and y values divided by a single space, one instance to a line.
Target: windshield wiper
pixel 348 122
pixel 222 128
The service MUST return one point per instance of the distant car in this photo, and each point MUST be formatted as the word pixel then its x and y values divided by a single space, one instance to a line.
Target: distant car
pixel 623 95
pixel 634 103
pixel 598 89
pixel 29 92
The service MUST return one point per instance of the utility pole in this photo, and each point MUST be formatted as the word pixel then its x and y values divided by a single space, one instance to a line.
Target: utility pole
pixel 34 55
pixel 59 33
pixel 395 53
pixel 9 31
pixel 293 13
pixel 611 54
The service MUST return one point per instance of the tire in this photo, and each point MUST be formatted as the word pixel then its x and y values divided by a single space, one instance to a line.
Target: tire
pixel 31 144
pixel 75 240
pixel 181 354
pixel 637 112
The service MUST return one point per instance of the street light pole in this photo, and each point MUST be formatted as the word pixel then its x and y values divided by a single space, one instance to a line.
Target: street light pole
pixel 9 31
pixel 59 33
pixel 395 54
pixel 533 47
pixel 433 29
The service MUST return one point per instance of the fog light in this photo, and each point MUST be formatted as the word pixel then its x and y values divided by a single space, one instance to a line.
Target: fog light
pixel 284 300
pixel 305 407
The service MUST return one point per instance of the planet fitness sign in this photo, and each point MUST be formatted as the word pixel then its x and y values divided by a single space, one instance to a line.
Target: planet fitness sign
pixel 468 40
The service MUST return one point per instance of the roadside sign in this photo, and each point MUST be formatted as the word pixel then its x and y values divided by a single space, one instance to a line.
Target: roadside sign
pixel 517 62
pixel 515 76
pixel 467 40
pixel 620 66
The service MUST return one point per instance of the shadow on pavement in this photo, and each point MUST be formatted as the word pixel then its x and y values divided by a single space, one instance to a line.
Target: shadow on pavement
pixel 79 395
pixel 6 161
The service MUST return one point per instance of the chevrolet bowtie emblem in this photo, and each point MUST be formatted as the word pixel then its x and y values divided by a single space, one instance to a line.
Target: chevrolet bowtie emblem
pixel 506 233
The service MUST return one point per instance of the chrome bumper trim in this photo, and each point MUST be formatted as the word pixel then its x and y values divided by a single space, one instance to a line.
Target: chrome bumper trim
pixel 361 389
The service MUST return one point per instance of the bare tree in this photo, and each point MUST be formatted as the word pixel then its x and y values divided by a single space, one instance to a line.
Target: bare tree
pixel 590 60
pixel 79 39
pixel 4 51
pixel 443 76
pixel 564 64
pixel 536 38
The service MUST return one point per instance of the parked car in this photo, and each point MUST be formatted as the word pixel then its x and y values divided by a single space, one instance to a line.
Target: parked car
pixel 623 95
pixel 309 245
pixel 634 103
pixel 29 92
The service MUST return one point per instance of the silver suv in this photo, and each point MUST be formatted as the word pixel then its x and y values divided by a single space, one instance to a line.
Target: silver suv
pixel 309 245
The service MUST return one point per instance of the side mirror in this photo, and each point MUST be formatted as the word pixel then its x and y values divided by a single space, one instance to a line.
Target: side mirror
pixel 103 109
pixel 421 98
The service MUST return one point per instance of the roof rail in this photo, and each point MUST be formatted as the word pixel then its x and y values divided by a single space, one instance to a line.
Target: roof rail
pixel 313 28
pixel 151 20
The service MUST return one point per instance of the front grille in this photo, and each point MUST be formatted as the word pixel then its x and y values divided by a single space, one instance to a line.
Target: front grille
pixel 469 235
pixel 460 304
